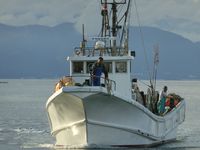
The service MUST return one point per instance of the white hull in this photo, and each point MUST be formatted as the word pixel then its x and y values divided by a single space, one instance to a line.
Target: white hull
pixel 88 117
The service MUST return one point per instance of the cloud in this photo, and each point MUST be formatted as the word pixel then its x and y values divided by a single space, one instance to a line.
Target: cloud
pixel 44 12
pixel 179 16
pixel 90 18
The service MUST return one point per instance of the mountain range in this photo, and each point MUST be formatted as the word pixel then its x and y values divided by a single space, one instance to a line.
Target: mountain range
pixel 36 51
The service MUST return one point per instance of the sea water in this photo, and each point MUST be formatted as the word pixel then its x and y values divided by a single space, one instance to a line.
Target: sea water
pixel 24 122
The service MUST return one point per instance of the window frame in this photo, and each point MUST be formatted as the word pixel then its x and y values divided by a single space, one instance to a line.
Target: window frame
pixel 80 65
pixel 121 67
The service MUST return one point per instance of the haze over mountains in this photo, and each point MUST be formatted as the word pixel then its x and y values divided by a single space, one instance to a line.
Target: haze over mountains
pixel 40 51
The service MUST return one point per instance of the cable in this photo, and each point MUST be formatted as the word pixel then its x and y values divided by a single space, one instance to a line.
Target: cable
pixel 143 43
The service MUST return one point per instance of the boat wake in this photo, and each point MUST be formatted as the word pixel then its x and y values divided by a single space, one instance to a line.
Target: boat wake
pixel 36 146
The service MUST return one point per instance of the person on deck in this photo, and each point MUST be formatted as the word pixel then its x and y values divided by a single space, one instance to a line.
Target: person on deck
pixel 164 93
pixel 98 68
pixel 162 100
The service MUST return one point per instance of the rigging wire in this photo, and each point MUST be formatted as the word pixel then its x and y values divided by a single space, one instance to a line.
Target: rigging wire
pixel 143 43
pixel 109 16
pixel 100 6
pixel 120 9
pixel 126 24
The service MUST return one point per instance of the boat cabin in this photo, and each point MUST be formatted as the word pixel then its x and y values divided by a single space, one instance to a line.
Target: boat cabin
pixel 118 68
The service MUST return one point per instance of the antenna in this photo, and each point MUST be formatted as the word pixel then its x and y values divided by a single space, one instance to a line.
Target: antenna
pixel 83 32
pixel 83 43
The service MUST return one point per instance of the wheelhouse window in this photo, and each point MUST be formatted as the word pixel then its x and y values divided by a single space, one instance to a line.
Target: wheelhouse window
pixel 108 66
pixel 89 66
pixel 77 67
pixel 121 67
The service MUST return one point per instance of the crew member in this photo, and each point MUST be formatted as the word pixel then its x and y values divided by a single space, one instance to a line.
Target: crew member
pixel 98 69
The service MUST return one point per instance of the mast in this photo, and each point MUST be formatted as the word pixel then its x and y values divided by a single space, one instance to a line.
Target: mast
pixel 105 20
pixel 114 27
pixel 83 43
pixel 116 24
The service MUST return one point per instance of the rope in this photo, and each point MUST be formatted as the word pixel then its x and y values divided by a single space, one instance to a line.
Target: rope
pixel 143 43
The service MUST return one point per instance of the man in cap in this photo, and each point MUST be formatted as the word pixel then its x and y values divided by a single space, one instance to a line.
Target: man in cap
pixel 98 68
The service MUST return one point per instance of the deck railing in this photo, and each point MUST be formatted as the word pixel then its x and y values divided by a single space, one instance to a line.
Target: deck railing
pixel 83 80
pixel 106 51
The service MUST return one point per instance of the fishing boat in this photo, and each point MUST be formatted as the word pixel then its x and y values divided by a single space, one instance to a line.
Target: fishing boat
pixel 112 113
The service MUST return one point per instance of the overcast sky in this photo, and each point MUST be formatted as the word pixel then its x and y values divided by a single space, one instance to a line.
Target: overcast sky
pixel 179 16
